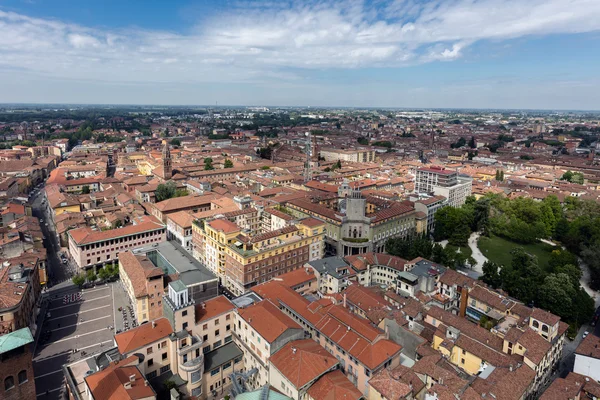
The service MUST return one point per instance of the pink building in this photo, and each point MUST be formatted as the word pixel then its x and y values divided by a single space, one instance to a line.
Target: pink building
pixel 91 248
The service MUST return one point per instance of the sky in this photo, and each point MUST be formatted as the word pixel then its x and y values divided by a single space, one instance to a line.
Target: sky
pixel 535 54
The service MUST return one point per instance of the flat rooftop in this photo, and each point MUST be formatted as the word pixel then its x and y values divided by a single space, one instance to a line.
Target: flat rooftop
pixel 172 258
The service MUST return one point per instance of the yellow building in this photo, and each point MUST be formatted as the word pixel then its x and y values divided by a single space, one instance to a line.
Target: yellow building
pixel 250 260
pixel 61 202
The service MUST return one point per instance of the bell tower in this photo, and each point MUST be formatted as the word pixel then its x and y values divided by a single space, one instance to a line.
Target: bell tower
pixel 166 160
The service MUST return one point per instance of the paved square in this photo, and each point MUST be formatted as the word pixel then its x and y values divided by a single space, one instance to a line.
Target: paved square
pixel 80 325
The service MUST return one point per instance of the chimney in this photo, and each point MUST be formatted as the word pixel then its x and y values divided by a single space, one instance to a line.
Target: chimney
pixel 153 326
pixel 132 378
pixel 127 385
pixel 344 300
pixel 203 305
pixel 293 350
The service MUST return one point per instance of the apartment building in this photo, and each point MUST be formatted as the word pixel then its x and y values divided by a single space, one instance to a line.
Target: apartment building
pixel 211 321
pixel 252 260
pixel 122 379
pixel 587 357
pixel 241 259
pixel 376 268
pixel 92 248
pixel 298 365
pixel 260 330
pixel 165 351
pixel 191 203
pixel 440 181
pixel 214 322
pixel 333 274
pixel 143 282
pixel 429 206
pixel 182 269
pixel 20 290
pixel 426 179
pixel 179 227
pixel 361 348
pixel 359 155
pixel 396 383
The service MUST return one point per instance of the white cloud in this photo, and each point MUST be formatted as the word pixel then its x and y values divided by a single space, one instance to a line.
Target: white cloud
pixel 255 41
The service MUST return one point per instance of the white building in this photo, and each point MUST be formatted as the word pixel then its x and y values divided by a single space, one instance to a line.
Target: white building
pixel 587 357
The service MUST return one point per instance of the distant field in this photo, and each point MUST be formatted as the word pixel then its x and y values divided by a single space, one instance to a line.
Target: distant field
pixel 498 250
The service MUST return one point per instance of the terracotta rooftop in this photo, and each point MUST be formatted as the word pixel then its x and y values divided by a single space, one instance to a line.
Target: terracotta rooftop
pixel 224 225
pixel 143 335
pixel 139 270
pixel 120 380
pixel 332 386
pixel 297 277
pixel 589 347
pixel 86 235
pixel 545 316
pixel 396 383
pixel 213 308
pixel 303 361
pixel 269 321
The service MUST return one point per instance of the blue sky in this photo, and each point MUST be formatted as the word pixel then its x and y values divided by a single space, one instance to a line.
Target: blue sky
pixel 380 53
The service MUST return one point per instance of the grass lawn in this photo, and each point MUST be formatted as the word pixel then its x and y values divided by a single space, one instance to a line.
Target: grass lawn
pixel 464 250
pixel 498 250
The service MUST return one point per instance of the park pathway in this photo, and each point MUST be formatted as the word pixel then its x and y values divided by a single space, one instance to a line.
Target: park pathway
pixel 477 254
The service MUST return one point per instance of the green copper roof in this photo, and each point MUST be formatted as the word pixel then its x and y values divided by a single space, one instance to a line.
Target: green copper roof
pixel 15 339
pixel 263 393
pixel 178 286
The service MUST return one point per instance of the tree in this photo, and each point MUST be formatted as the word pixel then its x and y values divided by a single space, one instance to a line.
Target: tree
pixel 208 164
pixel 85 190
pixel 165 191
pixel 228 164
pixel 104 274
pixel 78 280
pixel 91 275
pixel 491 274
pixel 169 384
pixel 337 165
pixel 556 295
pixel 175 142
pixel 410 248
pixel 567 176
pixel 363 140
pixel 472 143
pixel 459 143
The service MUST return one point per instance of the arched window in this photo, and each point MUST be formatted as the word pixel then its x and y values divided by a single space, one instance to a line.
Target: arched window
pixel 9 382
pixel 544 328
pixel 22 377
pixel 536 324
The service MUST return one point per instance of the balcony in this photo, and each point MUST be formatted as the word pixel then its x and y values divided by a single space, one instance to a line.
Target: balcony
pixel 193 365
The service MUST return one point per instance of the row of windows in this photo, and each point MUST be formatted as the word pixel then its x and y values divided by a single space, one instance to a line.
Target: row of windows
pixel 9 381
pixel 122 240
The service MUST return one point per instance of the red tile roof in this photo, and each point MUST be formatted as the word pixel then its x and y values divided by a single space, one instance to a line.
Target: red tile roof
pixel 86 235
pixel 303 361
pixel 213 308
pixel 224 225
pixel 333 386
pixel 269 321
pixel 120 380
pixel 143 335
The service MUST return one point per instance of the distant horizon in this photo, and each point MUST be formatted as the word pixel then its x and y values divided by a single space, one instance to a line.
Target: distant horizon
pixel 95 105
pixel 462 54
